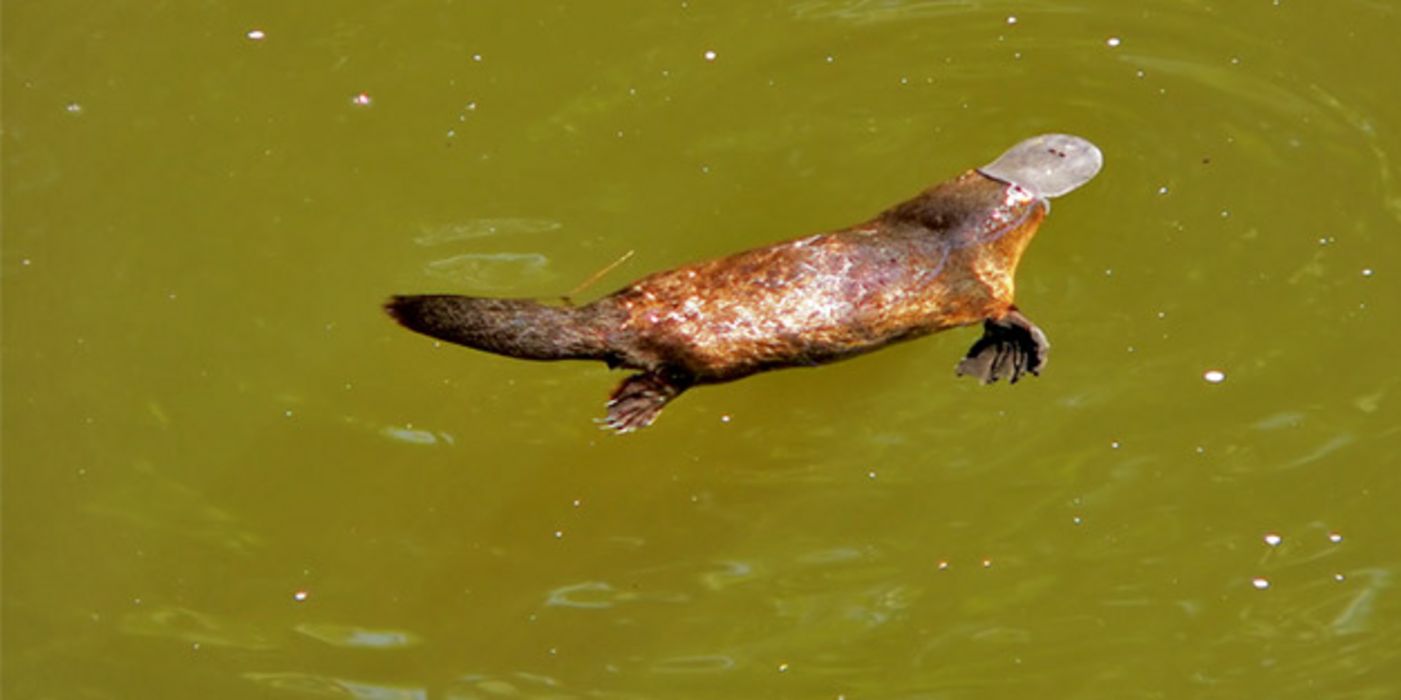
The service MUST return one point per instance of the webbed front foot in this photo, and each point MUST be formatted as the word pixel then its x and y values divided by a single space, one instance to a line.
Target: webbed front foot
pixel 640 399
pixel 1010 347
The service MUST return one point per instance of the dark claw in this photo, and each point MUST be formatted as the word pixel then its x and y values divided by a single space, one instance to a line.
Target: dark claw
pixel 637 402
pixel 1010 347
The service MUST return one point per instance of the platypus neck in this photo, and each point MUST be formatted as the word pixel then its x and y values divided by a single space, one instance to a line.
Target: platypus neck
pixel 973 211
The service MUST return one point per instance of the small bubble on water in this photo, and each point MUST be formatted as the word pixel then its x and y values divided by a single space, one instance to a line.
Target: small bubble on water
pixel 300 596
pixel 477 57
pixel 26 262
pixel 783 667
pixel 73 108
pixel 1113 41
pixel 1260 583
pixel 871 474
pixel 257 34
pixel 1163 190
pixel 725 418
pixel 1077 520
pixel 1225 213
pixel 1114 445
pixel 362 99
pixel 1335 537
pixel 1273 539
pixel 1338 577
pixel 943 565
pixel 1367 272
pixel 1215 376
pixel 559 534
pixel 831 59
pixel 710 55
pixel 987 563
pixel 1011 19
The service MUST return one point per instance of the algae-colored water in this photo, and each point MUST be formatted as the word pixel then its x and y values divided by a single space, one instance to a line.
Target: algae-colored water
pixel 227 475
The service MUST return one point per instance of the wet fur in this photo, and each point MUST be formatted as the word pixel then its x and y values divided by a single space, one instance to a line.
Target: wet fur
pixel 943 259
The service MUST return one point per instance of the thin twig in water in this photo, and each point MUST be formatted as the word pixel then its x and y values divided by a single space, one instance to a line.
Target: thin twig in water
pixel 598 275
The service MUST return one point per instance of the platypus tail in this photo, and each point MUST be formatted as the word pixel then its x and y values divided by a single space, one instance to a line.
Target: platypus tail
pixel 513 327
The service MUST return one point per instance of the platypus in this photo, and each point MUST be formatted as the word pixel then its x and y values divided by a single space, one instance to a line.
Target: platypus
pixel 945 258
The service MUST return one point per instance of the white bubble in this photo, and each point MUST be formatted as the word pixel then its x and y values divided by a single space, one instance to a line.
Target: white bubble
pixel 300 596
pixel 257 34
pixel 1335 537
pixel 362 99
pixel 73 108
pixel 1367 272
pixel 1338 577
pixel 1011 19
pixel 1215 376
pixel 1273 539
pixel 1113 41
pixel 710 55
pixel 1260 583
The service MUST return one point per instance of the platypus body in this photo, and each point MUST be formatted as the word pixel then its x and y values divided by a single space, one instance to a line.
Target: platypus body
pixel 943 259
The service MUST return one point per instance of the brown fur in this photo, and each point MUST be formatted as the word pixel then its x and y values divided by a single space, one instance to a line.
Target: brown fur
pixel 943 259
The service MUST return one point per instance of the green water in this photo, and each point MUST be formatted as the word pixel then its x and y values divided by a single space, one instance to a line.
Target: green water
pixel 227 475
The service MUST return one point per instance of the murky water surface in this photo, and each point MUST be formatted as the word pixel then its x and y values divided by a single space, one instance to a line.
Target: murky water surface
pixel 227 474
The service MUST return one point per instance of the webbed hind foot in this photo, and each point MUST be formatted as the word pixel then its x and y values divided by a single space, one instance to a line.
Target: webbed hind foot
pixel 640 399
pixel 1010 347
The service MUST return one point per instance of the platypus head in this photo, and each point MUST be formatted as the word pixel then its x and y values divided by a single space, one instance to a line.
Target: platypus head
pixel 1048 165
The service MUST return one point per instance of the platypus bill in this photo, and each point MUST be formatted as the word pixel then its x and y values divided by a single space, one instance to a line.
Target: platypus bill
pixel 943 259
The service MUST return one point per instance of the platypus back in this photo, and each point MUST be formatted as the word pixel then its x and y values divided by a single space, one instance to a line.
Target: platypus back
pixel 513 327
